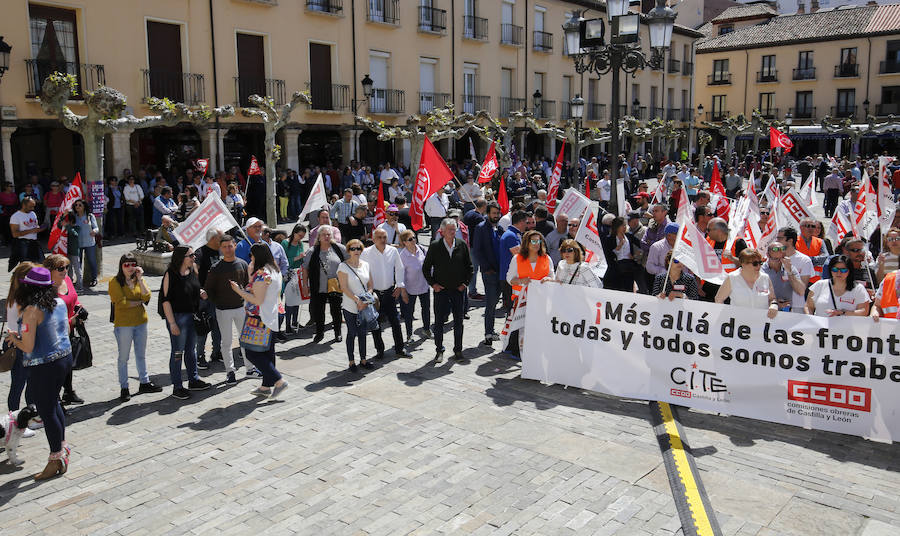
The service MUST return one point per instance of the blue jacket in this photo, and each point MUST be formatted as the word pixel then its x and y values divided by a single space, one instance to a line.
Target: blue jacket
pixel 486 246
pixel 510 239
pixel 242 251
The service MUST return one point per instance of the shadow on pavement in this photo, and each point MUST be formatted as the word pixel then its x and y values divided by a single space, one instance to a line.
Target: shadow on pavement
pixel 217 418
pixel 13 487
pixel 335 379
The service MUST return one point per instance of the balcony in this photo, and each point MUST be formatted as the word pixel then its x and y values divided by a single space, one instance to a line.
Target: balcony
pixel 808 112
pixel 384 11
pixel 89 77
pixel 475 28
pixel 430 101
pixel 673 114
pixel 844 111
pixel 332 7
pixel 846 70
pixel 474 103
pixel 805 73
pixel 717 115
pixel 718 79
pixel 244 86
pixel 512 35
pixel 387 101
pixel 687 115
pixel 674 66
pixel 637 112
pixel 508 105
pixel 889 66
pixel 432 20
pixel 543 41
pixel 769 113
pixel 596 112
pixel 188 88
pixel 657 112
pixel 763 77
pixel 329 97
pixel 545 110
pixel 687 68
pixel 565 110
pixel 892 108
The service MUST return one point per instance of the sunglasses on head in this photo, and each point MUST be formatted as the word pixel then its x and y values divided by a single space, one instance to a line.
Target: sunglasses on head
pixel 835 269
pixel 754 263
pixel 355 248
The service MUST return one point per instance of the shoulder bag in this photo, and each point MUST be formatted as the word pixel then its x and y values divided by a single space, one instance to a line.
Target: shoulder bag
pixel 8 355
pixel 366 319
pixel 333 284
pixel 255 336
pixel 82 354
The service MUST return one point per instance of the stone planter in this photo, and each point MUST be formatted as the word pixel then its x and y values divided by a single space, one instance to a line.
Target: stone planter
pixel 153 262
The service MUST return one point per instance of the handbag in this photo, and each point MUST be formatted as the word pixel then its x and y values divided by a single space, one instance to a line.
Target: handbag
pixel 82 354
pixel 333 283
pixel 255 336
pixel 8 355
pixel 202 323
pixel 367 319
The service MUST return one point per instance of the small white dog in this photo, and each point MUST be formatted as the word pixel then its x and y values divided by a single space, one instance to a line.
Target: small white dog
pixel 12 427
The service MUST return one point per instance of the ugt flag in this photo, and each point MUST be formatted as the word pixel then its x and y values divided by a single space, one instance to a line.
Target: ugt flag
pixel 433 174
pixel 59 238
pixel 489 168
pixel 316 200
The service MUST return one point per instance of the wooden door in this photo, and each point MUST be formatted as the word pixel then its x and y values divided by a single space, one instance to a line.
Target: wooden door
pixel 320 76
pixel 164 54
pixel 251 67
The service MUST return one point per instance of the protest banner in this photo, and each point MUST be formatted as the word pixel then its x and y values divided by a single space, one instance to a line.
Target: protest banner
pixel 573 204
pixel 516 318
pixel 588 235
pixel 839 374
pixel 211 214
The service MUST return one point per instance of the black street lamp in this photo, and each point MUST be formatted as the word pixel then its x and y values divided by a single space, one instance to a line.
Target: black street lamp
pixel 586 44
pixel 576 110
pixel 536 101
pixel 5 49
pixel 367 84
pixel 788 119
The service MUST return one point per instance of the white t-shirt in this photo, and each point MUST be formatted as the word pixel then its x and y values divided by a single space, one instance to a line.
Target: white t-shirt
pixel 605 189
pixel 386 176
pixel 804 267
pixel 743 295
pixel 848 301
pixel 25 221
pixel 356 286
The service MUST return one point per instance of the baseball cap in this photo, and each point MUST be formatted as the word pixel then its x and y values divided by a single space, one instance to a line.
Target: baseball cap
pixel 634 214
pixel 251 222
pixel 641 195
pixel 671 228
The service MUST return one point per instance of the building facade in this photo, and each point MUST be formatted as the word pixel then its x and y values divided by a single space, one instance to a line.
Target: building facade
pixel 502 56
pixel 843 62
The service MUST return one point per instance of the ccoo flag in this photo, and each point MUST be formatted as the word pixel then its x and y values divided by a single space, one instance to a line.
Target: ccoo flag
pixel 433 174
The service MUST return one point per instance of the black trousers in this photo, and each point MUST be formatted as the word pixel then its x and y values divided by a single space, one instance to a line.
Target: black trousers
pixel 832 197
pixel 446 302
pixel 317 310
pixel 387 309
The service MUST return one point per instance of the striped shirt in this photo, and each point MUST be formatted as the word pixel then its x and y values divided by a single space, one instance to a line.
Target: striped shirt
pixel 342 210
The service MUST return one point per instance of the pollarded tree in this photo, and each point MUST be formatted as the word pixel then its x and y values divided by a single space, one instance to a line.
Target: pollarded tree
pixel 569 132
pixel 703 139
pixel 489 128
pixel 731 128
pixel 631 127
pixel 273 120
pixel 856 132
pixel 437 124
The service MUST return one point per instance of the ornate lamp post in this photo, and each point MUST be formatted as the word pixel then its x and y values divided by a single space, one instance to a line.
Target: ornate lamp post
pixel 576 108
pixel 536 102
pixel 5 49
pixel 367 84
pixel 586 44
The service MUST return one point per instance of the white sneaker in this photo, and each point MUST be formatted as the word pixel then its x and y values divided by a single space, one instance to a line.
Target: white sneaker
pixel 36 423
pixel 28 433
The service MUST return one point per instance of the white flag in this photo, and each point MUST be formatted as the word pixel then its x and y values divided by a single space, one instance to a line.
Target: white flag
pixel 886 205
pixel 839 228
pixel 792 208
pixel 588 235
pixel 316 200
pixel 696 254
pixel 865 212
pixel 211 214
pixel 771 191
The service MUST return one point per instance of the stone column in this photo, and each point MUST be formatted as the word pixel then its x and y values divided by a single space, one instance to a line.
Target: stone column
pixel 291 149
pixel 5 136
pixel 403 153
pixel 212 148
pixel 121 152
pixel 349 143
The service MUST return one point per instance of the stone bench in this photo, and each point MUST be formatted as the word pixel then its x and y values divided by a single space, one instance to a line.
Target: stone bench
pixel 153 262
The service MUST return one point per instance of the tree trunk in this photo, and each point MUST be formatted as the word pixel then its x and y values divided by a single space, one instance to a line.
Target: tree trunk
pixel 756 141
pixel 93 173
pixel 415 155
pixel 702 154
pixel 271 214
pixel 729 144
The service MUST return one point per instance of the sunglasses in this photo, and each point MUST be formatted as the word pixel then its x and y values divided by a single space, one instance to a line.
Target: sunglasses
pixel 568 250
pixel 62 268
pixel 776 249
pixel 809 225
pixel 410 239
pixel 676 261
pixel 893 239
pixel 763 213
pixel 855 250
pixel 754 263
pixel 534 242
pixel 355 248
pixel 129 265
pixel 835 269
pixel 573 225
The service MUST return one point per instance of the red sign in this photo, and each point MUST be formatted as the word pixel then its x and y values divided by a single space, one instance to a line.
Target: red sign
pixel 830 394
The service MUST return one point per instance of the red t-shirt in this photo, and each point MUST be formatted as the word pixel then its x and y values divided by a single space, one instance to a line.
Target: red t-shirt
pixel 70 299
pixel 54 200
pixel 897 178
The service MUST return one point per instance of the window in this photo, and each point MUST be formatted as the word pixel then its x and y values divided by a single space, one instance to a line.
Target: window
pixel 54 45
pixel 726 28
pixel 566 97
pixel 767 105
pixel 539 83
pixel 846 103
pixel 720 74
pixel 805 69
pixel 767 71
pixel 890 101
pixel 893 51
pixel 848 56
pixel 380 73
pixel 718 108
pixel 847 66
pixel 470 88
pixel 427 73
pixel 804 105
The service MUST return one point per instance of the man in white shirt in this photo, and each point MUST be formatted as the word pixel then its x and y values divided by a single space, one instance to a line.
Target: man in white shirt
pixel 605 187
pixel 392 226
pixel 793 258
pixel 134 211
pixel 24 228
pixel 388 174
pixel 386 272
pixel 436 208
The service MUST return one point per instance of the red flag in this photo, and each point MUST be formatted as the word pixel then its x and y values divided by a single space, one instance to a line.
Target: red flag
pixel 779 139
pixel 58 242
pixel 553 188
pixel 502 198
pixel 380 216
pixel 202 165
pixel 490 166
pixel 715 183
pixel 433 174
pixel 587 186
pixel 254 167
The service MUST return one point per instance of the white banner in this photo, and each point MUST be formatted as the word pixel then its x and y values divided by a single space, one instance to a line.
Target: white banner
pixel 211 214
pixel 839 374
pixel 316 200
pixel 573 204
pixel 588 235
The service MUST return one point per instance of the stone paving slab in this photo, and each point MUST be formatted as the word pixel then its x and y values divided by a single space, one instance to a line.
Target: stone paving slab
pixel 418 448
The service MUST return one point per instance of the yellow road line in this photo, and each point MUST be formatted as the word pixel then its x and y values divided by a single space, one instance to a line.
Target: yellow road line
pixel 692 494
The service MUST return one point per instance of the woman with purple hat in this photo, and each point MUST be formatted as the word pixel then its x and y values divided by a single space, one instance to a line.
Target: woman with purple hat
pixel 42 334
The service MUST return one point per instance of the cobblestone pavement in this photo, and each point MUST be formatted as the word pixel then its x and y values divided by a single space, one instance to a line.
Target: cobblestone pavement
pixel 418 448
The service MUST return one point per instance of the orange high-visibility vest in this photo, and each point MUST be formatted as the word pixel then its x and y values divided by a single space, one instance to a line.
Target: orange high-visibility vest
pixel 813 250
pixel 540 270
pixel 889 296
pixel 727 264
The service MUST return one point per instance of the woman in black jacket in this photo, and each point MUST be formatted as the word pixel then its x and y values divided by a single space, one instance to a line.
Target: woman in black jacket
pixel 622 251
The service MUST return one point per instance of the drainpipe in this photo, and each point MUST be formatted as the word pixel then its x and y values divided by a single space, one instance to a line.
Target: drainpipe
pixel 215 79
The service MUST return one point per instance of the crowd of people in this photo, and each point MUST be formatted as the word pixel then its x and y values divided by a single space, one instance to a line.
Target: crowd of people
pixel 253 281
